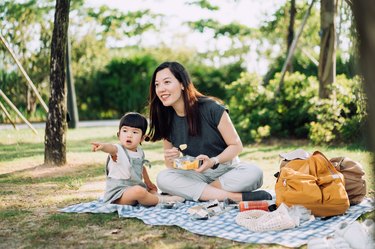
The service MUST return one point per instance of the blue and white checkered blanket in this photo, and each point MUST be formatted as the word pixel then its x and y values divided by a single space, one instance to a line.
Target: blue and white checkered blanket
pixel 224 225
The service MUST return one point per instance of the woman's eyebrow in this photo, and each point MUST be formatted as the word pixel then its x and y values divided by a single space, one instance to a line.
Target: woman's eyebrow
pixel 168 77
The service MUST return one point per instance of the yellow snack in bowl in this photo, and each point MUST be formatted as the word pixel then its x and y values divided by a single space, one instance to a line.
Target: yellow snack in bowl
pixel 186 163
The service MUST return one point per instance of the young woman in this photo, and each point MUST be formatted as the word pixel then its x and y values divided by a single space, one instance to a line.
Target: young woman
pixel 179 114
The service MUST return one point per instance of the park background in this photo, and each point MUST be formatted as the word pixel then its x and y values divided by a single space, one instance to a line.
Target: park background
pixel 276 107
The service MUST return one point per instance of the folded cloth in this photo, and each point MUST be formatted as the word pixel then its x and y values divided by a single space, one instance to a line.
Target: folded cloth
pixel 295 154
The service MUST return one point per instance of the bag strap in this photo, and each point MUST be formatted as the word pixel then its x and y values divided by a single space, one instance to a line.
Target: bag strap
pixel 127 155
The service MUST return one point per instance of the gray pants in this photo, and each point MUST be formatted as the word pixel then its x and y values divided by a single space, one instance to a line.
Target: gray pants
pixel 189 184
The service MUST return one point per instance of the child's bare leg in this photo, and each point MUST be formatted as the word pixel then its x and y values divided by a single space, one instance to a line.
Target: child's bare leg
pixel 135 194
pixel 139 194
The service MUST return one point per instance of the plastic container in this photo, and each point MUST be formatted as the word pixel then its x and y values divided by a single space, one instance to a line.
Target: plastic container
pixel 186 163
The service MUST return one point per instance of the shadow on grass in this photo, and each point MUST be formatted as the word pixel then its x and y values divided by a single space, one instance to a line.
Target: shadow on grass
pixel 81 174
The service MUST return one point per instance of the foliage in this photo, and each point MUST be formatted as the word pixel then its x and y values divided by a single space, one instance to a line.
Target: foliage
pixel 212 80
pixel 293 103
pixel 341 117
pixel 204 4
pixel 250 106
pixel 304 65
pixel 297 112
pixel 121 87
pixel 113 23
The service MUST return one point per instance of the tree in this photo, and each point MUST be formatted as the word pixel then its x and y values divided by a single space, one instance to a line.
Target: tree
pixel 290 36
pixel 327 57
pixel 364 17
pixel 55 139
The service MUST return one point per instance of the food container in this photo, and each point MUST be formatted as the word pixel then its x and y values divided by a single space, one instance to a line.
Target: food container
pixel 186 163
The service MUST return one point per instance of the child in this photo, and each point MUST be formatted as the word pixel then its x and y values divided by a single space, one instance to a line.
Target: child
pixel 125 168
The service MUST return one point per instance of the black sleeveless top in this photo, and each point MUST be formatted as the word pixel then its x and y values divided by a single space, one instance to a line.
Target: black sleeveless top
pixel 209 142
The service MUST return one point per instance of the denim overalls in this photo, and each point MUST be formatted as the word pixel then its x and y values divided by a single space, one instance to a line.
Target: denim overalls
pixel 116 187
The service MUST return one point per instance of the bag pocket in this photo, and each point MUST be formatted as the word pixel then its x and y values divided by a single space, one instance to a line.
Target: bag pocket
pixel 295 188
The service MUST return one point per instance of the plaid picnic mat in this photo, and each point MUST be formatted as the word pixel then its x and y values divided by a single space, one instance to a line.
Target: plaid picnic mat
pixel 224 225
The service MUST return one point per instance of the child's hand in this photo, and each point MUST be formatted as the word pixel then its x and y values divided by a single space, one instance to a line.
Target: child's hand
pixel 114 158
pixel 105 147
pixel 96 146
pixel 151 187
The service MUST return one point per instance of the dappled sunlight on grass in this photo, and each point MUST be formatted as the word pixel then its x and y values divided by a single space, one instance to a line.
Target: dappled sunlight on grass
pixel 22 136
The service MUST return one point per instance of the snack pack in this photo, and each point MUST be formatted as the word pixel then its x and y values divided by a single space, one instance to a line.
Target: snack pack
pixel 186 163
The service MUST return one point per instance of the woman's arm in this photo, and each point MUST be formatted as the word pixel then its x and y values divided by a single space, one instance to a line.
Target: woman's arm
pixel 231 138
pixel 170 153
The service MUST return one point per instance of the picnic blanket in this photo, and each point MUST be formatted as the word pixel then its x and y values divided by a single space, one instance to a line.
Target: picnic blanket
pixel 224 225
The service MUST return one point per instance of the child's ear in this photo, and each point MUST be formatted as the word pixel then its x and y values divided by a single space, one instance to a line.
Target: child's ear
pixel 118 134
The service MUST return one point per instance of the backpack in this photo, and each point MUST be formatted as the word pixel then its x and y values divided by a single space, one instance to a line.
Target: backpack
pixel 313 183
pixel 354 175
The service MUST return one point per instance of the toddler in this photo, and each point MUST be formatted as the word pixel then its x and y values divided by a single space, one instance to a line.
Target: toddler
pixel 127 180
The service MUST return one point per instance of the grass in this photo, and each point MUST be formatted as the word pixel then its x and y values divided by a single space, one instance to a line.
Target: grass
pixel 31 193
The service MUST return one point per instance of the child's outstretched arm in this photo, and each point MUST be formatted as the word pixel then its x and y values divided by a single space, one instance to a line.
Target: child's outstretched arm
pixel 105 147
pixel 150 186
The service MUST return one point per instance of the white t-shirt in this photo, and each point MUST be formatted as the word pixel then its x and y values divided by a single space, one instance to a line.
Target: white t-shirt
pixel 121 168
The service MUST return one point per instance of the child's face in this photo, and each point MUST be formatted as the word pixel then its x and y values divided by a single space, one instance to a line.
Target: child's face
pixel 130 137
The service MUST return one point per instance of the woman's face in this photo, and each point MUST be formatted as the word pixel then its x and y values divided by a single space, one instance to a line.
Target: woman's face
pixel 169 89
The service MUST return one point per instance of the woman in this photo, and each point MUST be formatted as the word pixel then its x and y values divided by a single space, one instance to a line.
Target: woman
pixel 179 114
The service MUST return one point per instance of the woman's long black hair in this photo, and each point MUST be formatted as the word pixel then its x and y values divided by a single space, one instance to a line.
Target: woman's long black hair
pixel 161 116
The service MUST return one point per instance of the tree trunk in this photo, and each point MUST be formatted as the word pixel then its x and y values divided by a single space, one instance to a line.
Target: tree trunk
pixel 31 101
pixel 55 139
pixel 364 17
pixel 290 36
pixel 72 102
pixel 327 58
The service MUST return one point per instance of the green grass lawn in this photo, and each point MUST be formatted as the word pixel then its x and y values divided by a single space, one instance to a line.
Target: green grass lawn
pixel 31 193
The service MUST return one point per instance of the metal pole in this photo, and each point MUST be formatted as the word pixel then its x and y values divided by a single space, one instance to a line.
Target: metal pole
pixel 17 111
pixel 8 115
pixel 24 73
pixel 293 47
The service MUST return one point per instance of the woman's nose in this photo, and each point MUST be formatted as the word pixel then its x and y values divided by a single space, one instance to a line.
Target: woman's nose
pixel 160 89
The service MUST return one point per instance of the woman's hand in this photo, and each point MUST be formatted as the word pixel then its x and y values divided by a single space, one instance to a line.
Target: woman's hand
pixel 207 163
pixel 170 155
